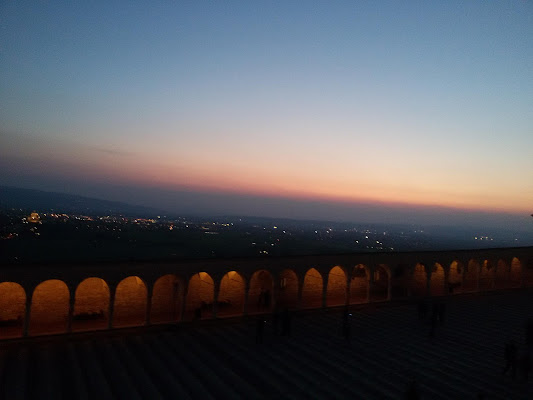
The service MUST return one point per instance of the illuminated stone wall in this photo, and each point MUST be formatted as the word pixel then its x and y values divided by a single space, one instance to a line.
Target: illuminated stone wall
pixel 49 308
pixel 336 290
pixel 200 297
pixel 231 295
pixel 486 276
pixel 166 299
pixel 288 290
pixel 12 309
pixel 438 280
pixel 289 280
pixel 91 307
pixel 455 277
pixel 515 273
pixel 312 289
pixel 419 281
pixel 130 303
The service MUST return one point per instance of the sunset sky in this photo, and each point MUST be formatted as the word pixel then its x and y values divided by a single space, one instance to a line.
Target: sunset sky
pixel 289 108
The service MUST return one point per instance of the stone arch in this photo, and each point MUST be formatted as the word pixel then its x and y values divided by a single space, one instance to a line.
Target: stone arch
pixel 437 285
pixel 336 290
pixel 359 284
pixel 471 276
pixel 455 277
pixel 260 292
pixel 312 289
pixel 288 289
pixel 12 309
pixel 486 276
pixel 130 302
pixel 379 290
pixel 91 305
pixel 502 275
pixel 400 281
pixel 419 281
pixel 231 295
pixel 49 308
pixel 167 296
pixel 200 297
pixel 515 274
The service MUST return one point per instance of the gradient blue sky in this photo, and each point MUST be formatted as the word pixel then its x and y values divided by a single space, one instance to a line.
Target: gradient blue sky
pixel 393 105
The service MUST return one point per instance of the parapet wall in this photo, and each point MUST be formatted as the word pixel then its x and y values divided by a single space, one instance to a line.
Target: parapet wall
pixel 43 299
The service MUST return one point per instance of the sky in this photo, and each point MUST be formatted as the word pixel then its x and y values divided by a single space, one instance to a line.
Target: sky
pixel 419 111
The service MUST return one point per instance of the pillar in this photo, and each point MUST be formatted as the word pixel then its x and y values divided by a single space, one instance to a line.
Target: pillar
pixel 27 314
pixel 149 291
pixel 215 302
pixel 325 290
pixel 347 294
pixel 300 291
pixel 184 300
pixel 246 294
pixel 111 311
pixel 71 303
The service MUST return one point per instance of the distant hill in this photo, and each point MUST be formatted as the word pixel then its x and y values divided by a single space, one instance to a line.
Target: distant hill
pixel 12 197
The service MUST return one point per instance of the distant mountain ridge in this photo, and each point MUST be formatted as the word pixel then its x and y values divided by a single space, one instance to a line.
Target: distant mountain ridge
pixel 31 199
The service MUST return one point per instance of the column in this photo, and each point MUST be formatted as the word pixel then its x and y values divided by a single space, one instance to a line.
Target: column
pixel 27 315
pixel 184 300
pixel 246 294
pixel 149 291
pixel 71 303
pixel 111 306
pixel 325 291
pixel 348 281
pixel 215 302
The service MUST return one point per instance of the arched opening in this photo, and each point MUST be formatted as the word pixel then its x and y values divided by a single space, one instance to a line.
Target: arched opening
pixel 49 308
pixel 336 290
pixel 231 295
pixel 91 305
pixel 130 302
pixel 400 281
pixel 166 299
pixel 502 275
pixel 455 277
pixel 380 284
pixel 419 281
pixel 527 272
pixel 12 309
pixel 288 289
pixel 515 275
pixel 312 289
pixel 200 297
pixel 359 284
pixel 437 286
pixel 471 276
pixel 260 292
pixel 486 276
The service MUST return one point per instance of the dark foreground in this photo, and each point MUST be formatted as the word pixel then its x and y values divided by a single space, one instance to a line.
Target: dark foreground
pixel 389 347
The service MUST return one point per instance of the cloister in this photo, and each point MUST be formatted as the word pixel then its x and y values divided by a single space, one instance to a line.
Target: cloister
pixel 53 299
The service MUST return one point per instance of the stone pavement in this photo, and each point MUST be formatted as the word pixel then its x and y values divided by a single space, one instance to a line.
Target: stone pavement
pixel 389 347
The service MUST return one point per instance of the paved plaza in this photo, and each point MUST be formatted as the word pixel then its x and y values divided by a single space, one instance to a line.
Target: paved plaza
pixel 389 347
